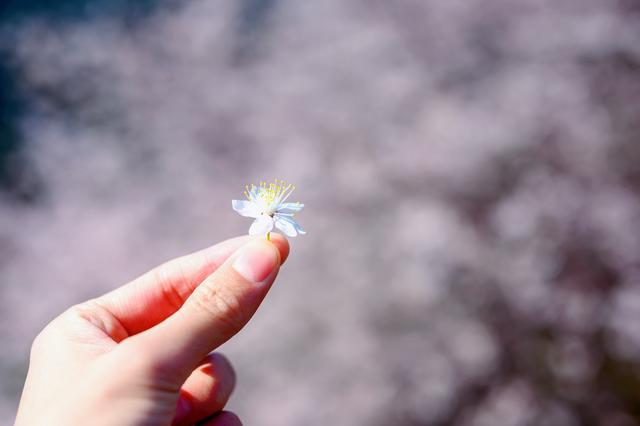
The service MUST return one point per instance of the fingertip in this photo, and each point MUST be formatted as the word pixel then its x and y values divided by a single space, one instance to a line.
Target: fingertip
pixel 256 261
pixel 282 244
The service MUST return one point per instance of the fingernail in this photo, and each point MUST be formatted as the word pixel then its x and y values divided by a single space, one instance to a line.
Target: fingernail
pixel 182 410
pixel 256 261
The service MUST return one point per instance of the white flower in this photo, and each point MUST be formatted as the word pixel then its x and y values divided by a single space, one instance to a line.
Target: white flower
pixel 266 203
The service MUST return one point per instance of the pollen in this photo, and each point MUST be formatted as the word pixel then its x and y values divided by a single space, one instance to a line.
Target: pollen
pixel 271 192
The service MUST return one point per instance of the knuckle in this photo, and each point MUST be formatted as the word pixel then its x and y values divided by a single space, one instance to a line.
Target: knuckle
pixel 49 337
pixel 221 366
pixel 53 332
pixel 224 308
pixel 224 371
pixel 39 344
pixel 81 311
pixel 94 313
pixel 88 312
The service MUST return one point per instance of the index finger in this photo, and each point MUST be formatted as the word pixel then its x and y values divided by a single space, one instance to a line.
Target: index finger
pixel 154 296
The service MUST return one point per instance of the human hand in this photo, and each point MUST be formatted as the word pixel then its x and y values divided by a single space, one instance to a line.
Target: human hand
pixel 140 355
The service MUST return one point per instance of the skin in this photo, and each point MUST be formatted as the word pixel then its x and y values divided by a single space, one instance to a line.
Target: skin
pixel 142 354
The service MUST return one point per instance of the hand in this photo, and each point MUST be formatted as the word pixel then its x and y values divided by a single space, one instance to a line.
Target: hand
pixel 140 355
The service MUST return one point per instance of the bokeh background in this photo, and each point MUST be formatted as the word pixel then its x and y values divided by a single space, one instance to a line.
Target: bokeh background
pixel 471 171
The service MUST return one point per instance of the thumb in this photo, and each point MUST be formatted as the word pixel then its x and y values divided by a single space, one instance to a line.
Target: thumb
pixel 216 310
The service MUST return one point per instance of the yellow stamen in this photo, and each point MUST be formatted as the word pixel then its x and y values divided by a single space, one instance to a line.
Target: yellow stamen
pixel 270 192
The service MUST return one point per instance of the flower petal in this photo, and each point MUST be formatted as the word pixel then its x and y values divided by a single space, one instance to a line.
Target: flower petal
pixel 299 228
pixel 289 207
pixel 285 226
pixel 245 208
pixel 292 222
pixel 261 226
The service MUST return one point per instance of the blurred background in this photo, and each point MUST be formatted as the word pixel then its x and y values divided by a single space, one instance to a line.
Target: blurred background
pixel 471 171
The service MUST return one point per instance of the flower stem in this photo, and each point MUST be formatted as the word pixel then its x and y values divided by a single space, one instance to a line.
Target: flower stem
pixel 268 236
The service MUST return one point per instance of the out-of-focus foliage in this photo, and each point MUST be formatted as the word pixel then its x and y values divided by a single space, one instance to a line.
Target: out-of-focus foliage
pixel 471 171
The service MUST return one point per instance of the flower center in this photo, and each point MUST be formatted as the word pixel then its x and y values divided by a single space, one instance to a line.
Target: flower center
pixel 270 195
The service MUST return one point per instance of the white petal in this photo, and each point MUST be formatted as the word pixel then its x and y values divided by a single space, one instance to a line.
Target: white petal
pixel 292 222
pixel 299 228
pixel 245 208
pixel 261 226
pixel 285 226
pixel 289 207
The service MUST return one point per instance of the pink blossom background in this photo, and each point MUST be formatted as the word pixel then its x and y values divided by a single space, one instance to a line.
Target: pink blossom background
pixel 471 175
